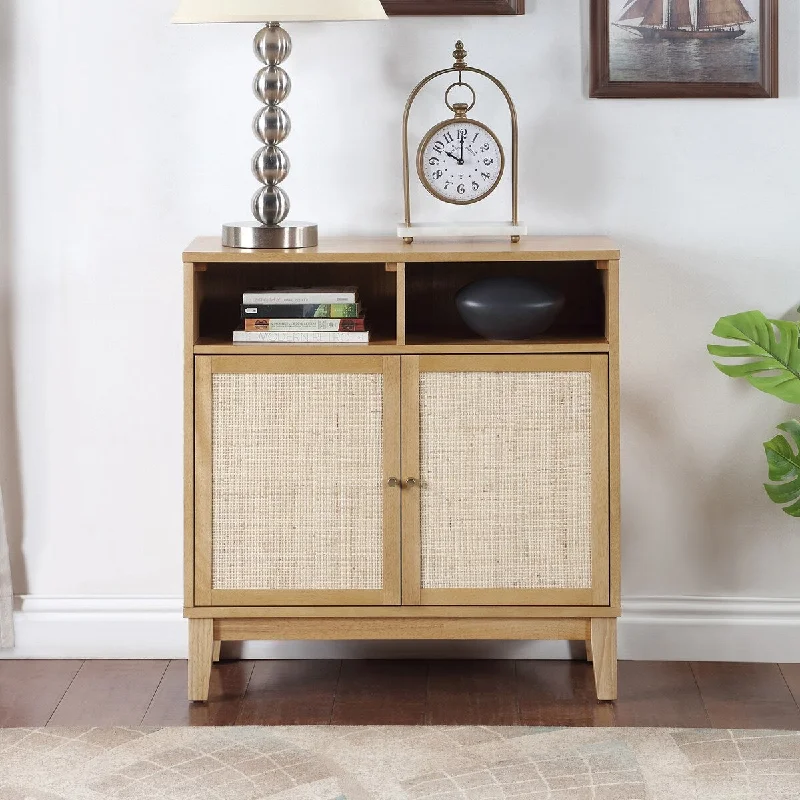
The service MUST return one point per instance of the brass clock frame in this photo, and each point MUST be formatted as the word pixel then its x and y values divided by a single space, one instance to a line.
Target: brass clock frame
pixel 460 67
pixel 432 133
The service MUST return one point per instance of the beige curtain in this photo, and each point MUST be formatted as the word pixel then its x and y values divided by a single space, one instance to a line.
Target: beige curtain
pixel 6 592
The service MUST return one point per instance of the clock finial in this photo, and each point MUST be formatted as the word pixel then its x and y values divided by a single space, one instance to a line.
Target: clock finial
pixel 460 55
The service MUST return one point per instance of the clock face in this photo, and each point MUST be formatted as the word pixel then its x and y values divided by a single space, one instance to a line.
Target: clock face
pixel 460 161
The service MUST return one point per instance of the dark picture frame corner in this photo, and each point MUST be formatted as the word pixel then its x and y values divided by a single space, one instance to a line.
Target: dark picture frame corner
pixel 428 8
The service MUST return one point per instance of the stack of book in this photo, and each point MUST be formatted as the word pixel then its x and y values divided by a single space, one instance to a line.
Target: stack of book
pixel 298 316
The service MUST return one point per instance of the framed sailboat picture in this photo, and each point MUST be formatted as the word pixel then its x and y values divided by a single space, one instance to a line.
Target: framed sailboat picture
pixel 684 48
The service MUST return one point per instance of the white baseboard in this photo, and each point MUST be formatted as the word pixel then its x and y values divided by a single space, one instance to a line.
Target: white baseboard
pixel 710 629
pixel 651 628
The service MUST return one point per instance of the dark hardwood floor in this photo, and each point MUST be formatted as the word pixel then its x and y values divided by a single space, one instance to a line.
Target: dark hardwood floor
pixel 551 693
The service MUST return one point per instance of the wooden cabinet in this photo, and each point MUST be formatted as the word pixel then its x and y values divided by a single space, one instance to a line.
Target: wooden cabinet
pixel 427 485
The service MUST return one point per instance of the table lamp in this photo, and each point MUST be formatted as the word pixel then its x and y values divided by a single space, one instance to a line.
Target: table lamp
pixel 272 125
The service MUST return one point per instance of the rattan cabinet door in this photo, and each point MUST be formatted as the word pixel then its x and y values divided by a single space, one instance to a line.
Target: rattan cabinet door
pixel 292 461
pixel 511 458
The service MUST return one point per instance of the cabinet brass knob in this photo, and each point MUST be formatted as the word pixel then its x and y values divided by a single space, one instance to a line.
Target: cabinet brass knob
pixel 412 482
pixel 394 482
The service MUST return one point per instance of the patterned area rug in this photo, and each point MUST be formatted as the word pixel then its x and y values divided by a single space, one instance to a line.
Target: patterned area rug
pixel 398 763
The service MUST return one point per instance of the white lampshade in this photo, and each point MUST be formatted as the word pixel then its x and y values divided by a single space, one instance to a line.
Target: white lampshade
pixel 277 10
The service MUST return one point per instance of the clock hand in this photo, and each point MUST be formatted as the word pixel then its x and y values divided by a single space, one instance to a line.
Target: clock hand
pixel 462 150
pixel 452 156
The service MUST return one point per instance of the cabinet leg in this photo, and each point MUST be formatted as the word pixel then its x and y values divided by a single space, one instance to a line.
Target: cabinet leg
pixel 201 654
pixel 589 654
pixel 217 652
pixel 604 650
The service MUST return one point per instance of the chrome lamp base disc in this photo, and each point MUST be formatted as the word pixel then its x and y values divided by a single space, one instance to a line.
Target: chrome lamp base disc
pixel 255 236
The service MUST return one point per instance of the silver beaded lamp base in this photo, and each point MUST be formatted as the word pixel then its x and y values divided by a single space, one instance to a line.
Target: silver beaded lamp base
pixel 254 236
pixel 270 164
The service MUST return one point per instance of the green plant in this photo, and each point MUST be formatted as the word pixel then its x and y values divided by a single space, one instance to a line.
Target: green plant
pixel 768 357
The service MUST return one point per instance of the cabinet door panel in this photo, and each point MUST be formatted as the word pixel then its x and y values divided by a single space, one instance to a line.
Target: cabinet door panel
pixel 512 458
pixel 293 457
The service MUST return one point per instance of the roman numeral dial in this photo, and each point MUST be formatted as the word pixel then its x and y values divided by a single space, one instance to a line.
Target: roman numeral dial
pixel 460 161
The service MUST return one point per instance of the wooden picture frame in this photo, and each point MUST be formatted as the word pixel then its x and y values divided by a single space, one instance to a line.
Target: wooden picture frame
pixel 427 8
pixel 602 86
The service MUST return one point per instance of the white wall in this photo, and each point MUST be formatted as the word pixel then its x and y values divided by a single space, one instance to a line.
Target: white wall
pixel 128 137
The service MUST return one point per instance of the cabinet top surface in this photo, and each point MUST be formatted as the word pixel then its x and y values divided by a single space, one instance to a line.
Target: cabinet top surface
pixel 209 249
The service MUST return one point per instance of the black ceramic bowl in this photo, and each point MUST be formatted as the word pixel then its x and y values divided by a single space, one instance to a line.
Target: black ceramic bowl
pixel 509 308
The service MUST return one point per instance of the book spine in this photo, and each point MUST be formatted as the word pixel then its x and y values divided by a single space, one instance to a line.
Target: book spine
pixel 328 325
pixel 307 311
pixel 297 298
pixel 299 337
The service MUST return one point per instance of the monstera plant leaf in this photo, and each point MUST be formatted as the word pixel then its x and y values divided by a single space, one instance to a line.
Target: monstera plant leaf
pixel 771 349
pixel 783 457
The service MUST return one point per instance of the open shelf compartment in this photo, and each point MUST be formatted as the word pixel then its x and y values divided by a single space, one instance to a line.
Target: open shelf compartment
pixel 219 289
pixel 431 315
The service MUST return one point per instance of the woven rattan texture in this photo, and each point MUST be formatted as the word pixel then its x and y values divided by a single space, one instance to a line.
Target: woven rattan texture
pixel 506 480
pixel 297 482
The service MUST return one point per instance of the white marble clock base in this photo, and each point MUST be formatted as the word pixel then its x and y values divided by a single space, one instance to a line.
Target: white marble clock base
pixel 464 230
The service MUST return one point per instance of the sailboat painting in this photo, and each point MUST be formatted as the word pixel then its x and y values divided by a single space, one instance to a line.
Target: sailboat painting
pixel 684 48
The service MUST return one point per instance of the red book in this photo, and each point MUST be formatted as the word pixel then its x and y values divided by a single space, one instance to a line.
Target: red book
pixel 346 325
